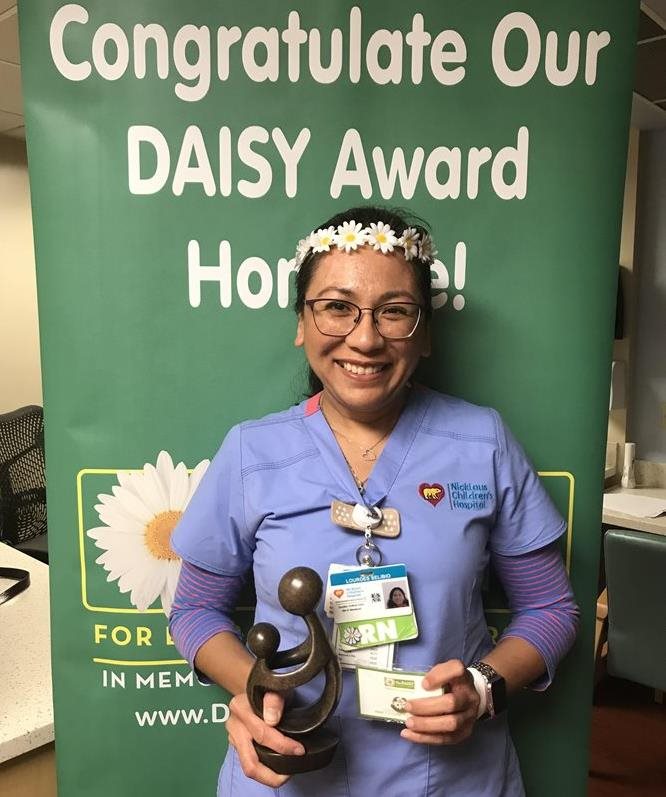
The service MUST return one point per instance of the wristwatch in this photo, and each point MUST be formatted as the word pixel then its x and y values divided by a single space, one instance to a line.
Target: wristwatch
pixel 494 687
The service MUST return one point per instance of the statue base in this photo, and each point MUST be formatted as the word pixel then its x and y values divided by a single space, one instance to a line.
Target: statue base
pixel 320 746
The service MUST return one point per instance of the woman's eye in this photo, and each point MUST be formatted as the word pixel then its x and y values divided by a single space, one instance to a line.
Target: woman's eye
pixel 337 307
pixel 394 311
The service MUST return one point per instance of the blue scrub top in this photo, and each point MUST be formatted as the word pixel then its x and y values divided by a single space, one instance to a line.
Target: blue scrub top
pixel 264 503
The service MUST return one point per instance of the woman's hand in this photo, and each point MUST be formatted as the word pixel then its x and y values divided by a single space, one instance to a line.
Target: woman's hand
pixel 448 718
pixel 244 727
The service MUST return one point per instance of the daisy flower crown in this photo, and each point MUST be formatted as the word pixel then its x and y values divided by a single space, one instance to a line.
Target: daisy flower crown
pixel 351 235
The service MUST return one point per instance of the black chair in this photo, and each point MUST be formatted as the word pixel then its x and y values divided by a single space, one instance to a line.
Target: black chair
pixel 22 481
pixel 635 567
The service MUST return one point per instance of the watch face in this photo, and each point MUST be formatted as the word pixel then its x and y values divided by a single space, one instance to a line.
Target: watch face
pixel 498 688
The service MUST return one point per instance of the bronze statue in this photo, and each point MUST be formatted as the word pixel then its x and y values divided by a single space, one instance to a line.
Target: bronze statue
pixel 299 593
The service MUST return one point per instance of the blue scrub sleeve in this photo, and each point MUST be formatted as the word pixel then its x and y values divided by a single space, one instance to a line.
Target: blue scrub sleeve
pixel 526 517
pixel 213 533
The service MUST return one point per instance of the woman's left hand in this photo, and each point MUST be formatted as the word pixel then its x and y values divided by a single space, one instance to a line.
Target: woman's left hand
pixel 447 718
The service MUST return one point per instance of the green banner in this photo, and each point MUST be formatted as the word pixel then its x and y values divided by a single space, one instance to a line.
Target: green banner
pixel 177 153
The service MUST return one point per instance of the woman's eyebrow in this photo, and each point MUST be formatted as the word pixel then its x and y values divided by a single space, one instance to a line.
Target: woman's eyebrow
pixel 385 297
pixel 335 289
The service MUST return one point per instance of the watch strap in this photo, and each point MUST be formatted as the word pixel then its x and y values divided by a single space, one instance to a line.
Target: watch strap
pixel 495 688
pixel 481 686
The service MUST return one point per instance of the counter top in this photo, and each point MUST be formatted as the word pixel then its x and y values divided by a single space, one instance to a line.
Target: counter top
pixel 656 525
pixel 26 694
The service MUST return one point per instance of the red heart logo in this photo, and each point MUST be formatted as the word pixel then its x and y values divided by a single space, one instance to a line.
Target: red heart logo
pixel 338 593
pixel 433 493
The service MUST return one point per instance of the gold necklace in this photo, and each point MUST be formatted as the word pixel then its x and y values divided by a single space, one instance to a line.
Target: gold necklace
pixel 368 453
pixel 360 483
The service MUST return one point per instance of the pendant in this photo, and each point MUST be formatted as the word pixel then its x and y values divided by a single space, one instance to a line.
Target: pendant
pixel 368 455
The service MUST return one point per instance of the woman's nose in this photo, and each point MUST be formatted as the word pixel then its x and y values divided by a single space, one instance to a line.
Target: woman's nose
pixel 365 335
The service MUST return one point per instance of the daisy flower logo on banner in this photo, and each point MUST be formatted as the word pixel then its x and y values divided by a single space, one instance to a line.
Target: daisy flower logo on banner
pixel 381 237
pixel 139 518
pixel 350 236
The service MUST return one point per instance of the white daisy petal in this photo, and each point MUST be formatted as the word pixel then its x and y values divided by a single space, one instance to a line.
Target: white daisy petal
pixel 168 592
pixel 147 590
pixel 323 239
pixel 303 250
pixel 350 235
pixel 137 575
pixel 178 489
pixel 120 553
pixel 381 237
pixel 115 516
pixel 154 494
pixel 133 504
pixel 132 481
pixel 164 467
pixel 409 241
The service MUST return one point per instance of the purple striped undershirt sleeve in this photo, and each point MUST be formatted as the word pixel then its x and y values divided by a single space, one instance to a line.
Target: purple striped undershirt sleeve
pixel 544 610
pixel 202 608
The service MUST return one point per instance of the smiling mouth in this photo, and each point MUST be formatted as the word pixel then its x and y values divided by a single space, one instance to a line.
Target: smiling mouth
pixel 361 370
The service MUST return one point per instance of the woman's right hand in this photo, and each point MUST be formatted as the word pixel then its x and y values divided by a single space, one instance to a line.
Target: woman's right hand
pixel 244 727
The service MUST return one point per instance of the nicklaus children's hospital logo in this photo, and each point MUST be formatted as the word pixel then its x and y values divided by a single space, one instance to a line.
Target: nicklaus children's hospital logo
pixel 461 495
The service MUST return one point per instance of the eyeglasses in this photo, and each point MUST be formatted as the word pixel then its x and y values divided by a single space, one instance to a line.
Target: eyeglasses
pixel 338 318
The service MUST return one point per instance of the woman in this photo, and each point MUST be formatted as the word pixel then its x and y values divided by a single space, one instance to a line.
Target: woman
pixel 397 599
pixel 368 435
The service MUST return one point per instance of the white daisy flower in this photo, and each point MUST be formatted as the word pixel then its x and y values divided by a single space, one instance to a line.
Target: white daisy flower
pixel 139 519
pixel 381 237
pixel 427 249
pixel 351 635
pixel 350 236
pixel 302 250
pixel 322 240
pixel 409 240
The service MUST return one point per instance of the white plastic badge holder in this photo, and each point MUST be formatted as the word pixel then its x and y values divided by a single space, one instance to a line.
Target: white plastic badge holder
pixel 384 693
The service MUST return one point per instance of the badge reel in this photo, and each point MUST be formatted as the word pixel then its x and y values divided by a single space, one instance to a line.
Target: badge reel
pixel 368 554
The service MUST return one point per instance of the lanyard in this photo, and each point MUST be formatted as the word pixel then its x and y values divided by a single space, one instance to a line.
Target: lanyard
pixel 368 553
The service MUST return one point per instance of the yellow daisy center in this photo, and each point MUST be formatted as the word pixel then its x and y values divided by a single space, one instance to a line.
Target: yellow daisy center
pixel 350 237
pixel 381 237
pixel 158 534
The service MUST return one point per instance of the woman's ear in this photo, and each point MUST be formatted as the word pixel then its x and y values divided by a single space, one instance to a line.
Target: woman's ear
pixel 299 340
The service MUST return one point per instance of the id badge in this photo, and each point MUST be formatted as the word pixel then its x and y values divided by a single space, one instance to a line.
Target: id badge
pixel 376 656
pixel 372 606
pixel 383 693
pixel 379 656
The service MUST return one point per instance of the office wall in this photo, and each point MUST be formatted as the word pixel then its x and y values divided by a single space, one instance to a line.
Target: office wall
pixel 622 349
pixel 20 376
pixel 647 415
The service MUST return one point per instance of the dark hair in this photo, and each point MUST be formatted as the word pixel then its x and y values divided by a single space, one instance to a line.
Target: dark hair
pixel 399 220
